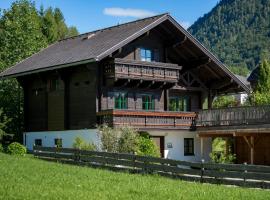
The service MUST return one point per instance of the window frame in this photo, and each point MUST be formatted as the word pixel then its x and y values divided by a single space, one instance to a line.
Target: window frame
pixel 189 150
pixel 146 54
pixel 36 141
pixel 121 100
pixel 56 144
pixel 182 103
pixel 150 103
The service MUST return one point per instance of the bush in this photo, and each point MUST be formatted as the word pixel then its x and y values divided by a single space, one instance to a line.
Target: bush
pixel 1 148
pixel 79 143
pixel 16 148
pixel 146 146
pixel 109 139
pixel 128 140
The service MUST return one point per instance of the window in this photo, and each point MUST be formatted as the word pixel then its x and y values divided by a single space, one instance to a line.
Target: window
pixel 58 142
pixel 179 103
pixel 148 102
pixel 188 146
pixel 53 84
pixel 120 100
pixel 147 55
pixel 38 142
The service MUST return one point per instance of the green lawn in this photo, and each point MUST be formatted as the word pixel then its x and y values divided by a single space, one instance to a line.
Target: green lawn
pixel 30 178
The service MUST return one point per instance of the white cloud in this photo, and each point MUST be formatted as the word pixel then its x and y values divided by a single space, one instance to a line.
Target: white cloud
pixel 185 25
pixel 128 12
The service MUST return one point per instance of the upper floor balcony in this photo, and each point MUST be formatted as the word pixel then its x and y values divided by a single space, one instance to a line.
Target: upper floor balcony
pixel 234 117
pixel 142 70
pixel 147 119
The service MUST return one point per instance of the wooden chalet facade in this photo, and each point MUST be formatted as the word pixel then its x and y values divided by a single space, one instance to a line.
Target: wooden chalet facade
pixel 150 74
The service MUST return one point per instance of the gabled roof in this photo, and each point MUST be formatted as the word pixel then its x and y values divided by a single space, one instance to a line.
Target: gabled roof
pixel 96 45
pixel 254 76
pixel 85 47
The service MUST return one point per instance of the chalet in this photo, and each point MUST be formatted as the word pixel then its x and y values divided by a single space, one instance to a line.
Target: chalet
pixel 151 74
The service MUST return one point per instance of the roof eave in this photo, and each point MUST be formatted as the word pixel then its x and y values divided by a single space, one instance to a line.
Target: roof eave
pixel 49 68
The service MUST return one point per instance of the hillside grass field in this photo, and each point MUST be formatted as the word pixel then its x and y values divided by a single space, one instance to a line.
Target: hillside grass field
pixel 30 178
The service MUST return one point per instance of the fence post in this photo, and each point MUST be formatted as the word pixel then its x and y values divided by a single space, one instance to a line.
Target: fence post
pixel 202 170
pixel 245 172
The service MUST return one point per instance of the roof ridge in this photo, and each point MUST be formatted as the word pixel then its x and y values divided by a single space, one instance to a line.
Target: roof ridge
pixel 114 26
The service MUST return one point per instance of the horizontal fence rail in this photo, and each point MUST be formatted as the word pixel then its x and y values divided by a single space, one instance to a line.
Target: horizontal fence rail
pixel 147 119
pixel 246 115
pixel 231 174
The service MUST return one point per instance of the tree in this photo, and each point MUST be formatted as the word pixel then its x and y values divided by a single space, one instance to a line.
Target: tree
pixel 261 94
pixel 20 37
pixel 224 102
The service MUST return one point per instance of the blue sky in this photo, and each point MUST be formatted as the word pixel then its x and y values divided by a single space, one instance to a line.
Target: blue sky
pixel 88 15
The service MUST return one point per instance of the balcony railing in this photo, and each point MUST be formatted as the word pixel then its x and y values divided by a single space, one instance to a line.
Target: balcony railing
pixel 147 119
pixel 133 69
pixel 235 116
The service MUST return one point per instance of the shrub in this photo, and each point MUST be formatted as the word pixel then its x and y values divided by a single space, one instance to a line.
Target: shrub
pixel 1 148
pixel 221 157
pixel 147 147
pixel 109 139
pixel 16 148
pixel 79 143
pixel 128 140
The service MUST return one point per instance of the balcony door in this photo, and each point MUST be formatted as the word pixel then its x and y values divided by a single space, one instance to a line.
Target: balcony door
pixel 159 141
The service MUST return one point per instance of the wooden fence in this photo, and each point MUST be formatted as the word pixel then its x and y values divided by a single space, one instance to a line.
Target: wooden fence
pixel 230 174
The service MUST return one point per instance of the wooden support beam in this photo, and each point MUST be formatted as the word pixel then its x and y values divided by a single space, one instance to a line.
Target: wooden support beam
pixel 199 62
pixel 221 84
pixel 252 150
pixel 202 149
pixel 180 43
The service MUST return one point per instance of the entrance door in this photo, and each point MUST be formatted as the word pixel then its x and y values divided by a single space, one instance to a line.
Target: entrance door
pixel 159 141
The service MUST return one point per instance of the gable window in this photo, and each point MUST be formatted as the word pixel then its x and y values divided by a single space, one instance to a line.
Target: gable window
pixel 38 142
pixel 58 142
pixel 179 103
pixel 148 102
pixel 120 100
pixel 147 55
pixel 189 146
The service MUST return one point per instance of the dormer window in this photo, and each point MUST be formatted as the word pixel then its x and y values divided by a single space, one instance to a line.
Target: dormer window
pixel 147 55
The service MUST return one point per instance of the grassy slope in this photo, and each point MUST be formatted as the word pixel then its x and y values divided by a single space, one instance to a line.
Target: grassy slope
pixel 29 178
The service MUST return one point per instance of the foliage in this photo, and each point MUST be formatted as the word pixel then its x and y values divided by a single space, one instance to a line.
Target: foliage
pixel 261 95
pixel 128 141
pixel 1 148
pixel 240 70
pixel 109 138
pixel 219 154
pixel 3 121
pixel 79 143
pixel 23 33
pixel 16 148
pixel 236 31
pixel 224 101
pixel 147 147
pixel 29 178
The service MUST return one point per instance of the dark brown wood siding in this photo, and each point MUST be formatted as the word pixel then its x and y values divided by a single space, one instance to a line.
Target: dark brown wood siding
pixel 36 104
pixel 56 109
pixel 82 98
pixel 151 41
pixel 134 98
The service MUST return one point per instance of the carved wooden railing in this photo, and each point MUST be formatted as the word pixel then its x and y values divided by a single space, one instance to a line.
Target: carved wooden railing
pixel 147 119
pixel 235 116
pixel 134 69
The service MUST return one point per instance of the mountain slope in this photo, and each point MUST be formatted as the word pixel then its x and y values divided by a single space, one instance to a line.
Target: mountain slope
pixel 237 31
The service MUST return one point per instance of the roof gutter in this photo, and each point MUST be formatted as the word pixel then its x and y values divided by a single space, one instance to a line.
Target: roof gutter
pixel 49 68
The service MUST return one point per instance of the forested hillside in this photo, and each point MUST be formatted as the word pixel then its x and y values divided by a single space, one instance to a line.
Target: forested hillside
pixel 237 31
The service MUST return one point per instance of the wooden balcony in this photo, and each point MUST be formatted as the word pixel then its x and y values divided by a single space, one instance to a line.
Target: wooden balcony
pixel 235 117
pixel 147 119
pixel 141 70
